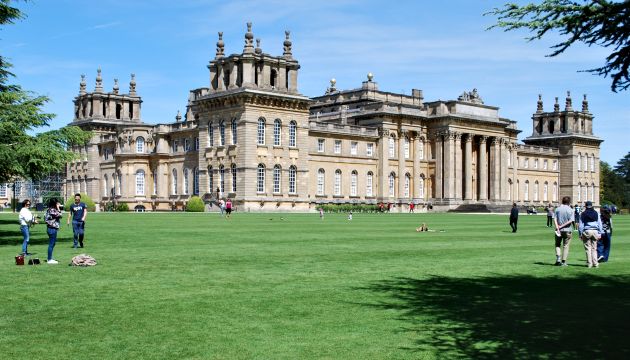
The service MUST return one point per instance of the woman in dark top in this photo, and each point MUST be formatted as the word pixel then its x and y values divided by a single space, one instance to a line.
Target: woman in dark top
pixel 603 245
pixel 52 218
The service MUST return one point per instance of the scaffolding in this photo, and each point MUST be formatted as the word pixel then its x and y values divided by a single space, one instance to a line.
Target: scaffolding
pixel 37 191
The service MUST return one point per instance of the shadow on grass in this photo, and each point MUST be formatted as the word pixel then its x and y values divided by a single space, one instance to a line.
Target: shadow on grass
pixel 10 234
pixel 519 317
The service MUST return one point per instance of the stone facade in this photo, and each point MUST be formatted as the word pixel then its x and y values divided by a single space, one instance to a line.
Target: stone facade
pixel 253 137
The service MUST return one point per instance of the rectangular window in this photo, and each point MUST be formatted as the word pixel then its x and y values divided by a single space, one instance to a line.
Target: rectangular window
pixel 555 165
pixel 369 150
pixel 175 146
pixel 186 144
pixel 3 190
pixel 320 182
pixel 196 144
pixel 354 146
pixel 526 163
pixel 234 132
pixel 222 133
pixel 421 149
pixel 406 145
pixel 337 146
pixel 292 173
pixel 353 184
pixel 535 163
pixel 320 145
pixel 368 185
pixel 210 135
pixel 545 165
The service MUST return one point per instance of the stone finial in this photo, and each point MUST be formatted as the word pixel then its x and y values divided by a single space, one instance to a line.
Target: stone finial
pixel 82 85
pixel 332 87
pixel 539 107
pixel 249 40
pixel 584 104
pixel 99 81
pixel 178 117
pixel 370 76
pixel 258 50
pixel 556 105
pixel 287 45
pixel 220 46
pixel 567 105
pixel 116 88
pixel 132 85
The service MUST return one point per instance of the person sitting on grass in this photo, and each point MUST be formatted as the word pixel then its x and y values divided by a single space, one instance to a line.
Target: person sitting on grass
pixel 425 228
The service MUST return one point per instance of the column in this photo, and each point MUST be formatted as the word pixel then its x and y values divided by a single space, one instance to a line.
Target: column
pixel 416 167
pixel 449 165
pixel 468 168
pixel 494 169
pixel 438 165
pixel 503 178
pixel 382 188
pixel 401 163
pixel 482 168
pixel 458 183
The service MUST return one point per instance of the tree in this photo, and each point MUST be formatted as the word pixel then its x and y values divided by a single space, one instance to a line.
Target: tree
pixel 595 22
pixel 21 154
pixel 623 168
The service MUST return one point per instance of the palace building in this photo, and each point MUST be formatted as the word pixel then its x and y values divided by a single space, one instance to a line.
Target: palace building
pixel 251 136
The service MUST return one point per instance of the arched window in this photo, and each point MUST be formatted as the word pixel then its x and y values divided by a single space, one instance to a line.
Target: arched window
pixel 261 131
pixel 354 179
pixel 368 184
pixel 210 179
pixel 526 191
pixel 579 161
pixel 592 162
pixel 210 134
pixel 392 182
pixel 277 176
pixel 536 190
pixel 292 133
pixel 407 184
pixel 585 162
pixel 233 169
pixel 260 179
pixel 421 187
pixel 579 191
pixel 406 146
pixel 222 133
pixel 140 145
pixel 321 174
pixel 196 181
pixel 337 188
pixel 105 188
pixel 554 196
pixel 392 146
pixel 592 192
pixel 234 132
pixel 221 180
pixel 292 176
pixel 545 191
pixel 185 189
pixel 277 132
pixel 421 149
pixel 140 182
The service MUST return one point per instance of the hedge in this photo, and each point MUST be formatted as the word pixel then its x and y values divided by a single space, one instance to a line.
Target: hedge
pixel 84 199
pixel 195 204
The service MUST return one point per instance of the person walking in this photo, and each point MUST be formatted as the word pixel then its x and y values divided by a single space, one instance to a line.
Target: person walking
pixel 590 230
pixel 52 217
pixel 78 213
pixel 563 218
pixel 603 246
pixel 222 206
pixel 27 219
pixel 412 206
pixel 228 208
pixel 513 217
pixel 549 210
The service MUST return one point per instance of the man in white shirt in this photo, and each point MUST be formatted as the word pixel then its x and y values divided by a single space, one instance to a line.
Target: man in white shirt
pixel 26 220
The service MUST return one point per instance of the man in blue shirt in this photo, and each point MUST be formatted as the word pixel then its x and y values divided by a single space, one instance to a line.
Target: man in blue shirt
pixel 78 212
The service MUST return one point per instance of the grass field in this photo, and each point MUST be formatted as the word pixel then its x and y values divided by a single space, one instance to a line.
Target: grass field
pixel 271 286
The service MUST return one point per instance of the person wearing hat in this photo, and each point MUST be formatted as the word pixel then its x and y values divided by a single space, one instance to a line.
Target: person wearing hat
pixel 603 246
pixel 590 230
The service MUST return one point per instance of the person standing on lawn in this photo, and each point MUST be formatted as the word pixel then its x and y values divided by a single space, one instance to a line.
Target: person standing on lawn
pixel 52 217
pixel 26 220
pixel 228 208
pixel 563 219
pixel 514 217
pixel 78 212
pixel 549 210
pixel 603 246
pixel 590 230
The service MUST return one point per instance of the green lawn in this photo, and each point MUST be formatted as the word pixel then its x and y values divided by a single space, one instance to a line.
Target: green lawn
pixel 271 286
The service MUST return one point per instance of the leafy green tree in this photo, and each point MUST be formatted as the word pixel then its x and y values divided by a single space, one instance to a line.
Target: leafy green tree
pixel 195 204
pixel 623 168
pixel 21 154
pixel 594 22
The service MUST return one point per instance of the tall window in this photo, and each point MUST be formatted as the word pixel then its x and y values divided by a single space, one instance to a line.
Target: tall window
pixel 555 192
pixel 392 146
pixel 337 189
pixel 526 191
pixel 545 191
pixel 234 132
pixel 140 145
pixel 261 131
pixel 337 148
pixel 421 187
pixel 233 168
pixel 277 132
pixel 222 133
pixel 536 190
pixel 175 146
pixel 555 165
pixel 354 146
pixel 186 144
pixel 585 162
pixel 526 163
pixel 211 179
pixel 260 179
pixel 592 192
pixel 210 134
pixel 196 143
pixel 535 163
pixel 320 181
pixel 406 146
pixel 320 145
pixel 545 164
pixel 277 175
pixel 196 181
pixel 592 162
pixel 421 149
pixel 392 179
pixel 579 161
pixel 292 176
pixel 292 133
pixel 369 149
pixel 140 182
pixel 221 180
pixel 368 184
pixel 353 183
pixel 407 182
pixel 579 192
pixel 185 189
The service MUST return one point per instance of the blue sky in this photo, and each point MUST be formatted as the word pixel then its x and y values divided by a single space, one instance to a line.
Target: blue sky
pixel 441 47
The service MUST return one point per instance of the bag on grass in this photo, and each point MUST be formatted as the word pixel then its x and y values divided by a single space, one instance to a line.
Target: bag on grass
pixel 83 260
